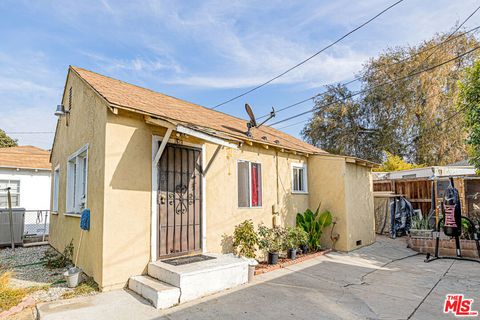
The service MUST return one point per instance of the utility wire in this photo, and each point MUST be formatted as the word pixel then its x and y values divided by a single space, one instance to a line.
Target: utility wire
pixel 302 121
pixel 31 132
pixel 379 85
pixel 359 78
pixel 311 57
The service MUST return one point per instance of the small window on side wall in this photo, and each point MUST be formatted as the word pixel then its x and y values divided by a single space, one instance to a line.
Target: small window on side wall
pixel 249 184
pixel 299 178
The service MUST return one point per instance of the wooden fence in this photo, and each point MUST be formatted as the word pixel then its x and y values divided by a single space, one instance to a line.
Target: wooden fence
pixel 419 192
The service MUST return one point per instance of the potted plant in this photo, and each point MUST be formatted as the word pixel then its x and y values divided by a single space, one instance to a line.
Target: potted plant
pixel 245 239
pixel 295 237
pixel 291 243
pixel 271 241
pixel 302 240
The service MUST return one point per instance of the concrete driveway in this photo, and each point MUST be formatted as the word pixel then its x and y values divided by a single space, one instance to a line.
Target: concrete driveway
pixel 383 281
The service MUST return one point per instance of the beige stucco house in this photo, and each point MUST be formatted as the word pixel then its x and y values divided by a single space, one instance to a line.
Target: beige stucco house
pixel 164 177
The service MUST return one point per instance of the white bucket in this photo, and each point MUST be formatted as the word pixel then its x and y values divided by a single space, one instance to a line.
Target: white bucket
pixel 73 276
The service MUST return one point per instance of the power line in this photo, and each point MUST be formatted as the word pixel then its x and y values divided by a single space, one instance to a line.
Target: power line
pixel 458 28
pixel 31 132
pixel 311 57
pixel 302 121
pixel 435 126
pixel 379 85
pixel 359 78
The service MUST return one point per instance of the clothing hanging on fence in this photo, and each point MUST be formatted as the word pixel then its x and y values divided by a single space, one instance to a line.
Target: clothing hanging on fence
pixel 401 212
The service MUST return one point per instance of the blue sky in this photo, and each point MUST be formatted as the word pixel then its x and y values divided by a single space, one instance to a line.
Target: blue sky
pixel 201 51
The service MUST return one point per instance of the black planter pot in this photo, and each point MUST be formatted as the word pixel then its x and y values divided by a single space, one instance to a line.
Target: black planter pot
pixel 292 254
pixel 272 258
pixel 304 248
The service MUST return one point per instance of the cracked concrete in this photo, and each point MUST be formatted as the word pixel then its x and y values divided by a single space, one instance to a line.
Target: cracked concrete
pixel 383 281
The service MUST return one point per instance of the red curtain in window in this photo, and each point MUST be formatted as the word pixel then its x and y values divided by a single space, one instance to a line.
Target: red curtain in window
pixel 256 185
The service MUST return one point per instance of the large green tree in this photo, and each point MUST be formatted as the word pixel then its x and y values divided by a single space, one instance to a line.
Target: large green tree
pixel 405 117
pixel 6 141
pixel 469 100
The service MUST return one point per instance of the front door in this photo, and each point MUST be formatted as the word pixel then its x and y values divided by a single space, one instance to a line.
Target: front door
pixel 179 200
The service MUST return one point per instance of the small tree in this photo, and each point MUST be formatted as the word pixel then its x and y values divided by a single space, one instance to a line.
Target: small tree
pixel 245 239
pixel 6 141
pixel 395 163
pixel 469 100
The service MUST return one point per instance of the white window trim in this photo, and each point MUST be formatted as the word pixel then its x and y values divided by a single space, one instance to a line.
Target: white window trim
pixel 19 193
pixel 56 189
pixel 303 166
pixel 249 184
pixel 72 211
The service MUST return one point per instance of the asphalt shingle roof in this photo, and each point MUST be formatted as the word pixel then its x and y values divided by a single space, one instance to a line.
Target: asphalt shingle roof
pixel 124 95
pixel 29 157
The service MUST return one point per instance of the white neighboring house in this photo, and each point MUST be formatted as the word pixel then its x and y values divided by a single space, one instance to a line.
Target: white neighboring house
pixel 427 172
pixel 27 171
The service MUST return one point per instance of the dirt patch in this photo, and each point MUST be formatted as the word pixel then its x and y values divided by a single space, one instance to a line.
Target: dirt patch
pixel 29 273
pixel 283 262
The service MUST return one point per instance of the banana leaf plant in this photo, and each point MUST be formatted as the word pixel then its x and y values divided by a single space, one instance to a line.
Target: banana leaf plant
pixel 314 223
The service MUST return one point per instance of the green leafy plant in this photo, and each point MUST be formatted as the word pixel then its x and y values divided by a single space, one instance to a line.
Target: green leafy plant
pixel 467 100
pixel 245 239
pixel 313 224
pixel 295 237
pixel 271 240
pixel 420 224
pixel 53 259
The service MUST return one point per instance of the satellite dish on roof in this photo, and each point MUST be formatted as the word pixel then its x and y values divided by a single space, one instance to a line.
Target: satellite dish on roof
pixel 249 110
pixel 253 121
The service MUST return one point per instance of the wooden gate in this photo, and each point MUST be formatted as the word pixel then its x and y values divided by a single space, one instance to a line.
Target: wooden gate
pixel 179 201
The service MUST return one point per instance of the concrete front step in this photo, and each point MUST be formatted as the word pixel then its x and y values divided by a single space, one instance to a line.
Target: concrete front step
pixel 198 279
pixel 160 294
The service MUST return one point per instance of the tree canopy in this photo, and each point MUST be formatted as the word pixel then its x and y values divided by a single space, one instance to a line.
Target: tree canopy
pixel 6 141
pixel 469 101
pixel 404 117
pixel 395 163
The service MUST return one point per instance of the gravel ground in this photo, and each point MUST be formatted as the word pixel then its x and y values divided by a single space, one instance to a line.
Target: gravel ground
pixel 29 271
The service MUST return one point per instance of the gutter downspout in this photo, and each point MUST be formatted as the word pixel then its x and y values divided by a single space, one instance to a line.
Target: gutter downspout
pixel 275 207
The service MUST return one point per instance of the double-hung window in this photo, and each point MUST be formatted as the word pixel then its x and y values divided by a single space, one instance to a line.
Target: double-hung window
pixel 299 178
pixel 249 184
pixel 14 186
pixel 77 172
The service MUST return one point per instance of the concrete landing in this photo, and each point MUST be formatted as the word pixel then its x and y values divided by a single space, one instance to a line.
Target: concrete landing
pixel 202 278
pixel 160 294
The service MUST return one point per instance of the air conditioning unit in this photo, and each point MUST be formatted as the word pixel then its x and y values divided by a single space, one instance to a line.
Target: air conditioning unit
pixel 18 215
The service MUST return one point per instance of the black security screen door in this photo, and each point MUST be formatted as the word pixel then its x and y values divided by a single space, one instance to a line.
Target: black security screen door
pixel 179 200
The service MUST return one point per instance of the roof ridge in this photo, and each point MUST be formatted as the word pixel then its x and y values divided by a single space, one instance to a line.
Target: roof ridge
pixel 157 92
pixel 92 78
